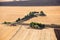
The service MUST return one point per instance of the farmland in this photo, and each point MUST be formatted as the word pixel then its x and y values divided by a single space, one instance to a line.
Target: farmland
pixel 21 32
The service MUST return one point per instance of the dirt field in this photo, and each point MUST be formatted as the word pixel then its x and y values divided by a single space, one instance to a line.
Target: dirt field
pixel 12 13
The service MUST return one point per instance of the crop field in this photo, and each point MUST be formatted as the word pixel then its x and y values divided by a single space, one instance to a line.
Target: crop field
pixel 23 32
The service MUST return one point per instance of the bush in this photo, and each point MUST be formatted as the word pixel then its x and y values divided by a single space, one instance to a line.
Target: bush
pixel 18 20
pixel 31 24
pixel 28 16
pixel 31 14
pixel 42 13
pixel 41 25
pixel 7 22
pixel 37 25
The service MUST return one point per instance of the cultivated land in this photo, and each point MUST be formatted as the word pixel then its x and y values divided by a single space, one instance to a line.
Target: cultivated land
pixel 21 32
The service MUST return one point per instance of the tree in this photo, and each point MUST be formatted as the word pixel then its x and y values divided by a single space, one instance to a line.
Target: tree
pixel 41 26
pixel 42 13
pixel 5 22
pixel 31 14
pixel 37 25
pixel 18 20
pixel 31 24
pixel 26 16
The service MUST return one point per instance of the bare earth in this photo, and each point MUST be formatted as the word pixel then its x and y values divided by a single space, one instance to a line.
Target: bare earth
pixel 9 13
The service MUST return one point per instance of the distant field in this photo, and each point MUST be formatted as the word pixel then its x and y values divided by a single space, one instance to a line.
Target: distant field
pixel 11 13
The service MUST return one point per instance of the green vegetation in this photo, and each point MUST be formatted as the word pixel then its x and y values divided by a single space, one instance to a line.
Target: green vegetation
pixel 26 16
pixel 42 13
pixel 31 13
pixel 18 20
pixel 7 22
pixel 29 16
pixel 36 25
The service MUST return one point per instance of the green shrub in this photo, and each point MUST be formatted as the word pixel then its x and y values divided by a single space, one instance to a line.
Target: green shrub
pixel 7 22
pixel 42 13
pixel 37 25
pixel 31 24
pixel 31 13
pixel 18 20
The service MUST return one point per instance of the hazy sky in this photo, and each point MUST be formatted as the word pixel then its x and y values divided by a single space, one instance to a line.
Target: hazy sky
pixel 14 0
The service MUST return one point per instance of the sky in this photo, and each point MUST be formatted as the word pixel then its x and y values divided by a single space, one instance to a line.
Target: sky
pixel 29 0
pixel 13 0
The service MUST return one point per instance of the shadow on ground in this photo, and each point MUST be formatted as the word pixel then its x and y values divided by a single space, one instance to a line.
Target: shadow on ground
pixel 57 33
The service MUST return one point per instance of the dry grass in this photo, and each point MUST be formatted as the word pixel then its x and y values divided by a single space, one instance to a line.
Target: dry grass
pixel 12 13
